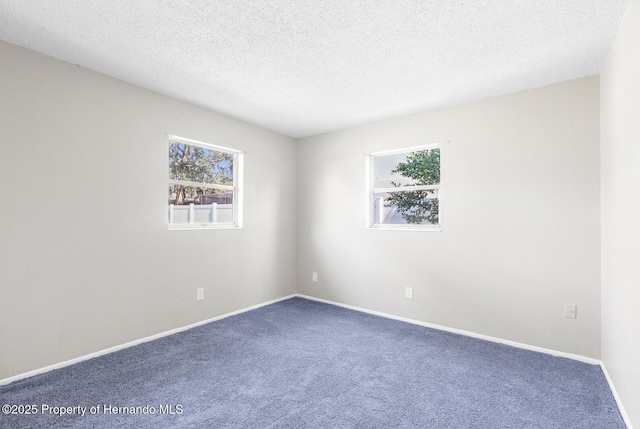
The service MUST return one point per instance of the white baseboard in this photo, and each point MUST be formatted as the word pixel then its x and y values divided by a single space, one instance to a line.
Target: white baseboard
pixel 134 343
pixel 623 412
pixel 461 332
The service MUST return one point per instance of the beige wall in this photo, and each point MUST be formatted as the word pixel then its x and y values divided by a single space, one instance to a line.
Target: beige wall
pixel 620 122
pixel 79 281
pixel 520 219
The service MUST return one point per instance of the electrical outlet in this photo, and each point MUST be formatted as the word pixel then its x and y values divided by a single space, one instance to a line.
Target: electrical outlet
pixel 200 293
pixel 570 311
pixel 314 277
pixel 408 292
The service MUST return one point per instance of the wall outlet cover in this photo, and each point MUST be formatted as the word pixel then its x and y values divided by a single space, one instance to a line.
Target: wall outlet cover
pixel 408 292
pixel 570 311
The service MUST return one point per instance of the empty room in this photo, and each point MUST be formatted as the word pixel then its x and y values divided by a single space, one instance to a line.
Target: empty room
pixel 320 214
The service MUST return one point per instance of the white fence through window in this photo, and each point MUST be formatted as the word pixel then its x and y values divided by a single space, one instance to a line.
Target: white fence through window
pixel 210 213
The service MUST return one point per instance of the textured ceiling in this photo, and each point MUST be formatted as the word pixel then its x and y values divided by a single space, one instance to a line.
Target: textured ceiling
pixel 304 67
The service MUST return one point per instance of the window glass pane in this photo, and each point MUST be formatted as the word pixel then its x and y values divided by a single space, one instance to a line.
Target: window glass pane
pixel 199 164
pixel 406 169
pixel 191 205
pixel 406 208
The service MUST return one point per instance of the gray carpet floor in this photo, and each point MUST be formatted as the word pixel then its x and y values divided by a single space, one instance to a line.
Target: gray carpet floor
pixel 304 364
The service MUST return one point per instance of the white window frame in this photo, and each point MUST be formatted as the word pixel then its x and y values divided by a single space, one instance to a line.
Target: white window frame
pixel 236 187
pixel 371 191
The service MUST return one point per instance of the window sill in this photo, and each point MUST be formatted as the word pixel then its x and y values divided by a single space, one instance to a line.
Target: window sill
pixel 185 227
pixel 423 228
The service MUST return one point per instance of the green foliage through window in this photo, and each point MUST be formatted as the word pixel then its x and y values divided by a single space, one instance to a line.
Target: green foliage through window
pixel 405 188
pixel 420 206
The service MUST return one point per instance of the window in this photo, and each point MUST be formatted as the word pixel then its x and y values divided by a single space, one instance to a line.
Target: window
pixel 204 185
pixel 404 189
